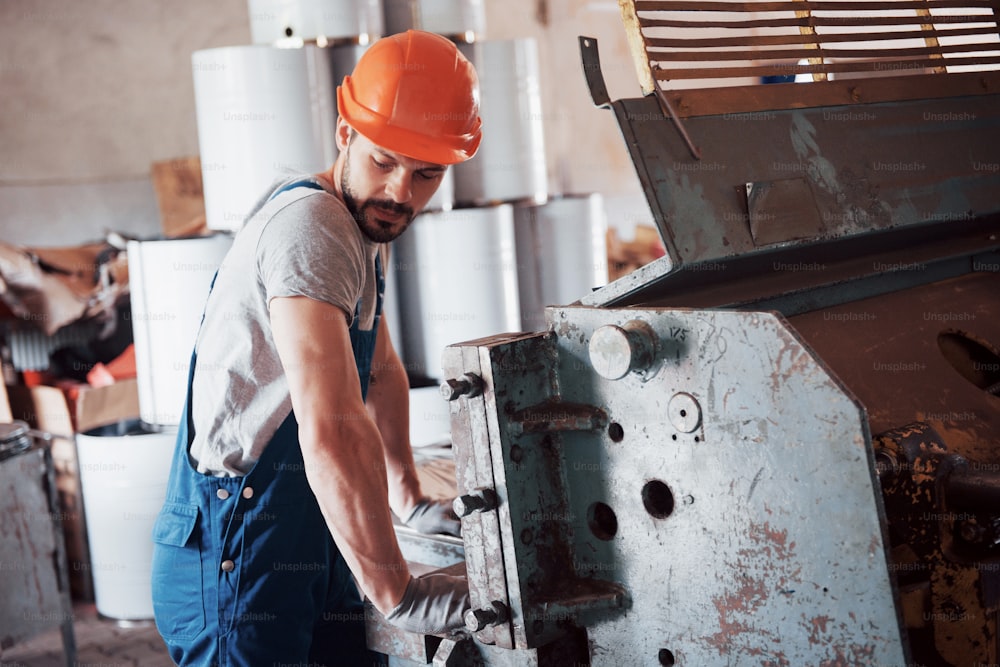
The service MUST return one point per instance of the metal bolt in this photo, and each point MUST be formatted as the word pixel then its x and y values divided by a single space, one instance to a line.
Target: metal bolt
pixel 480 619
pixel 615 351
pixel 469 385
pixel 972 532
pixel 479 500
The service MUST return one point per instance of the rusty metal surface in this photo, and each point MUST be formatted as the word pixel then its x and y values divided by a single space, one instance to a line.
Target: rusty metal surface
pixel 887 351
pixel 752 531
pixel 33 565
pixel 953 620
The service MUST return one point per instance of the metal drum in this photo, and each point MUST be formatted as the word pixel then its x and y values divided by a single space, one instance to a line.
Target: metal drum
pixel 457 274
pixel 320 21
pixel 262 112
pixel 510 164
pixel 123 476
pixel 169 282
pixel 562 253
pixel 461 20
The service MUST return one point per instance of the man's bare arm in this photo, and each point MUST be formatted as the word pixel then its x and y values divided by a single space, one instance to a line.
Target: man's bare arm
pixel 341 446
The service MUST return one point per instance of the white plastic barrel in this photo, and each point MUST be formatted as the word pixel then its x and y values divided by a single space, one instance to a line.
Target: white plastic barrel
pixel 169 281
pixel 562 251
pixel 322 21
pixel 123 479
pixel 510 165
pixel 263 112
pixel 460 19
pixel 457 277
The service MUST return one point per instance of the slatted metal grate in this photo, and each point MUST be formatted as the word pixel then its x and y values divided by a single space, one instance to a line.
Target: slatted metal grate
pixel 706 44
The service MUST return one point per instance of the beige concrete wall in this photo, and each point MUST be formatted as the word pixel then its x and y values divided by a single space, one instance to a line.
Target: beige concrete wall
pixel 91 93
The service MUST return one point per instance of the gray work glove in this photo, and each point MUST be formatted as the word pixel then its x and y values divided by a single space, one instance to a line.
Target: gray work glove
pixel 433 604
pixel 431 517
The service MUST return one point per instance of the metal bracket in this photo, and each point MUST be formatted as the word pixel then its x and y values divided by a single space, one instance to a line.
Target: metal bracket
pixel 592 71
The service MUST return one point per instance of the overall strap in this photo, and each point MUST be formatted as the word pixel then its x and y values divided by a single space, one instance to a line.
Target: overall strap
pixel 301 183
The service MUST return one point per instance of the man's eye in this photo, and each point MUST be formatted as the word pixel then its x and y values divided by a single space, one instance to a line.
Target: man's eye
pixel 384 166
pixel 429 175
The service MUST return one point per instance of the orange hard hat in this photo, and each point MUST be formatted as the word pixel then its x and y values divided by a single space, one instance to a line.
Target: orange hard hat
pixel 414 93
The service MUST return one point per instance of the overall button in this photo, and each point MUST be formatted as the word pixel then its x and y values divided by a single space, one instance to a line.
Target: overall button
pixel 228 566
pixel 248 492
pixel 221 494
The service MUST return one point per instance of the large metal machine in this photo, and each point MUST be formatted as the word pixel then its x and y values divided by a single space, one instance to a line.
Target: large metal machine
pixel 780 443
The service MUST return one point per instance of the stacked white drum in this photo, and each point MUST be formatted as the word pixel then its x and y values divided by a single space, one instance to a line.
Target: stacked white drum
pixel 168 282
pixel 457 276
pixel 263 112
pixel 324 23
pixel 562 253
pixel 510 164
pixel 459 20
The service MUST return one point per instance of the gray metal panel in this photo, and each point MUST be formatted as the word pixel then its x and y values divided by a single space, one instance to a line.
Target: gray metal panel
pixel 753 533
pixel 32 558
pixel 774 551
pixel 849 171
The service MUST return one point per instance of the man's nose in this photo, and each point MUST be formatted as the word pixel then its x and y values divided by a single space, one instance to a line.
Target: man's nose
pixel 399 186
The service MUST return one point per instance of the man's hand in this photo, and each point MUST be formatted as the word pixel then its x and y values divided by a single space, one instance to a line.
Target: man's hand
pixel 433 604
pixel 434 516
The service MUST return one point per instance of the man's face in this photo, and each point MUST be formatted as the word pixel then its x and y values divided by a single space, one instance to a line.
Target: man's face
pixel 384 190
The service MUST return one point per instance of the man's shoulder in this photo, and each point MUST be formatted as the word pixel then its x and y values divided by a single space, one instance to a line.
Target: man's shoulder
pixel 317 211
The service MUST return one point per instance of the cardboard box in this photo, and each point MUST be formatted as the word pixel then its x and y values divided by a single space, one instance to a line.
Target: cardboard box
pixel 180 198
pixel 51 410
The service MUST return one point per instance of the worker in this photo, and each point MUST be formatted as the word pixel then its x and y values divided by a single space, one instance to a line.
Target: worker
pixel 284 474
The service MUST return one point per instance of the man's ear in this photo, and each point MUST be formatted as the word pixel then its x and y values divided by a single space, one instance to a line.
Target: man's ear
pixel 343 134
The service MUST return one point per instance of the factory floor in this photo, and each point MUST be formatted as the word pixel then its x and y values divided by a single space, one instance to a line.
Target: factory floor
pixel 99 642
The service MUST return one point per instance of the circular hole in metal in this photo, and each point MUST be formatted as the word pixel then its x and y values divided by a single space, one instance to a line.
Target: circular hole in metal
pixel 666 657
pixel 697 439
pixel 673 437
pixel 602 521
pixel 974 359
pixel 288 31
pixel 658 499
pixel 616 432
pixel 684 413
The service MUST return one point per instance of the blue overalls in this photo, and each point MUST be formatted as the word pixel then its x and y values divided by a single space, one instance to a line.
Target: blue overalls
pixel 245 571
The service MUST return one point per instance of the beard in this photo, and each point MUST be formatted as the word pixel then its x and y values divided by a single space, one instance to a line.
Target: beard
pixel 365 213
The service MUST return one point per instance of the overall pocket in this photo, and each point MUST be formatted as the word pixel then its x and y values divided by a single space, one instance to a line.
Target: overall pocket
pixel 178 602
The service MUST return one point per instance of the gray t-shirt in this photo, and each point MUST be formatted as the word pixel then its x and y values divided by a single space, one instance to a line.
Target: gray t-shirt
pixel 303 242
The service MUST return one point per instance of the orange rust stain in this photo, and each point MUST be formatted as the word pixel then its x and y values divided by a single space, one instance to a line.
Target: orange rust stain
pixel 818 628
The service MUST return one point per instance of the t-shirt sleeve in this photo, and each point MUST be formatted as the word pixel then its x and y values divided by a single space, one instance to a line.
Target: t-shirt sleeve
pixel 311 248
